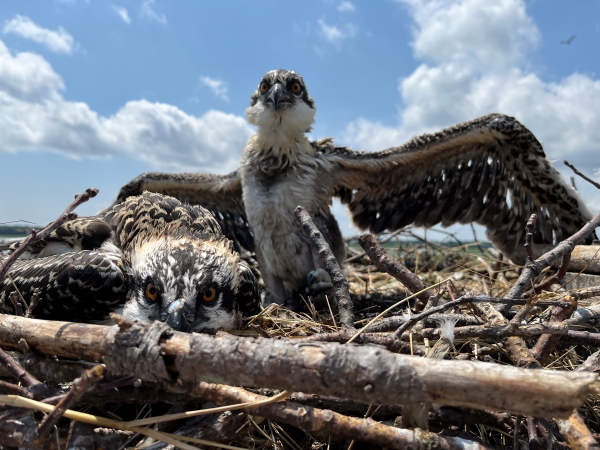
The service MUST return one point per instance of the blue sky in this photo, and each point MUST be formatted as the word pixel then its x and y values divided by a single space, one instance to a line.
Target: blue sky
pixel 92 93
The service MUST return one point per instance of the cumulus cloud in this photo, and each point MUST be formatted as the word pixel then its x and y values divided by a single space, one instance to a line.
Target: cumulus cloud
pixel 35 116
pixel 346 6
pixel 57 41
pixel 217 87
pixel 336 35
pixel 149 12
pixel 474 62
pixel 474 57
pixel 122 13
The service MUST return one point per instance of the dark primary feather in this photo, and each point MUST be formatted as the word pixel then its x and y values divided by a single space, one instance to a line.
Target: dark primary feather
pixel 491 170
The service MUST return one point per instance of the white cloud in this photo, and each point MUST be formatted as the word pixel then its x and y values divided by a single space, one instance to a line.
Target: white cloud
pixel 346 6
pixel 217 87
pixel 58 41
pixel 149 12
pixel 35 116
pixel 491 35
pixel 475 63
pixel 336 35
pixel 122 13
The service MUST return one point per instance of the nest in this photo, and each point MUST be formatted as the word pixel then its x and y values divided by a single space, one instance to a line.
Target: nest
pixel 386 316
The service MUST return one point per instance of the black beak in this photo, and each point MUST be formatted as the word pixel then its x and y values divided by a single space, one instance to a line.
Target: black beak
pixel 176 319
pixel 277 97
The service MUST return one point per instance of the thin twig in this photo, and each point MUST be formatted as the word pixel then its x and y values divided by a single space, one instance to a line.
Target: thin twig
pixel 534 442
pixel 80 386
pixel 35 298
pixel 331 265
pixel 534 268
pixel 459 301
pixel 572 167
pixel 395 305
pixel 387 264
pixel 529 230
pixel 559 275
pixel 21 374
pixel 37 236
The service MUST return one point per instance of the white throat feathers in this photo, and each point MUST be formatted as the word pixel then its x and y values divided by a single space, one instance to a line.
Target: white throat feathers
pixel 281 130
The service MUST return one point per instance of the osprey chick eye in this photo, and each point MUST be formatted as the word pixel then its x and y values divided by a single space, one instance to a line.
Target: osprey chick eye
pixel 209 295
pixel 151 292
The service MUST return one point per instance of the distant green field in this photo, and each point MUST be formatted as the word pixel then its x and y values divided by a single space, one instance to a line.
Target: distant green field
pixel 405 244
pixel 11 231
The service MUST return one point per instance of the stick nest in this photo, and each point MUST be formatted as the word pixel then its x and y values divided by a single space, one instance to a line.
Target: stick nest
pixel 459 270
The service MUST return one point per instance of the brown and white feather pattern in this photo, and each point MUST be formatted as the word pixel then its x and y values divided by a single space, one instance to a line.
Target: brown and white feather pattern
pixel 491 170
pixel 83 233
pixel 155 239
pixel 77 286
pixel 220 194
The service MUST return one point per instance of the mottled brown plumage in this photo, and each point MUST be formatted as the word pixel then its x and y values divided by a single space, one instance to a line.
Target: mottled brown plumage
pixel 164 259
pixel 491 170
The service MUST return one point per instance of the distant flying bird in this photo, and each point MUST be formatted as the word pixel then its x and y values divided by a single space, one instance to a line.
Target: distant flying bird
pixel 163 259
pixel 491 170
pixel 568 41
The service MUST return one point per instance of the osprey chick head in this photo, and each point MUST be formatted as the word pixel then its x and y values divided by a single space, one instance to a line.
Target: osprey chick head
pixel 281 105
pixel 192 284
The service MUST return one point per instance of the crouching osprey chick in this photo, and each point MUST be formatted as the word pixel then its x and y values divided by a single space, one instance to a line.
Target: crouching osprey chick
pixel 163 259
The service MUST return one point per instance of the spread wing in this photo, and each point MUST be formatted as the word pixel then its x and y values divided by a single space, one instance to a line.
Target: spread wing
pixel 491 170
pixel 77 286
pixel 220 194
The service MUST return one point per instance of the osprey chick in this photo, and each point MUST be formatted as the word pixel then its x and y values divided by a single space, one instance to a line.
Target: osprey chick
pixel 165 260
pixel 491 170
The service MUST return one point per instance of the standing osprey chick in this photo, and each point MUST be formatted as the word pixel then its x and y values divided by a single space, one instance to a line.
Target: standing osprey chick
pixel 491 170
pixel 165 260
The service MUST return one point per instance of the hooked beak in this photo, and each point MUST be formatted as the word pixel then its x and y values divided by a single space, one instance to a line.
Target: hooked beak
pixel 176 318
pixel 277 97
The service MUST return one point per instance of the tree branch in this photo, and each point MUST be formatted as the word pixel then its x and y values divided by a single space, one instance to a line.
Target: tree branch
pixel 366 374
pixel 331 265
pixel 37 236
pixel 387 264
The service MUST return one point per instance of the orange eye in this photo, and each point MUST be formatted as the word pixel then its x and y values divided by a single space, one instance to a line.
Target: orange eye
pixel 296 88
pixel 151 292
pixel 264 87
pixel 209 294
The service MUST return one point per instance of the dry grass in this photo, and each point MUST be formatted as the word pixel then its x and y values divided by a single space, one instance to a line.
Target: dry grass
pixel 469 269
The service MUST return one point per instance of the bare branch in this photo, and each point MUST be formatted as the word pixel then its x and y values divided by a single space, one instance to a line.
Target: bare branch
pixel 577 172
pixel 367 374
pixel 80 386
pixel 387 264
pixel 534 268
pixel 331 265
pixel 37 236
